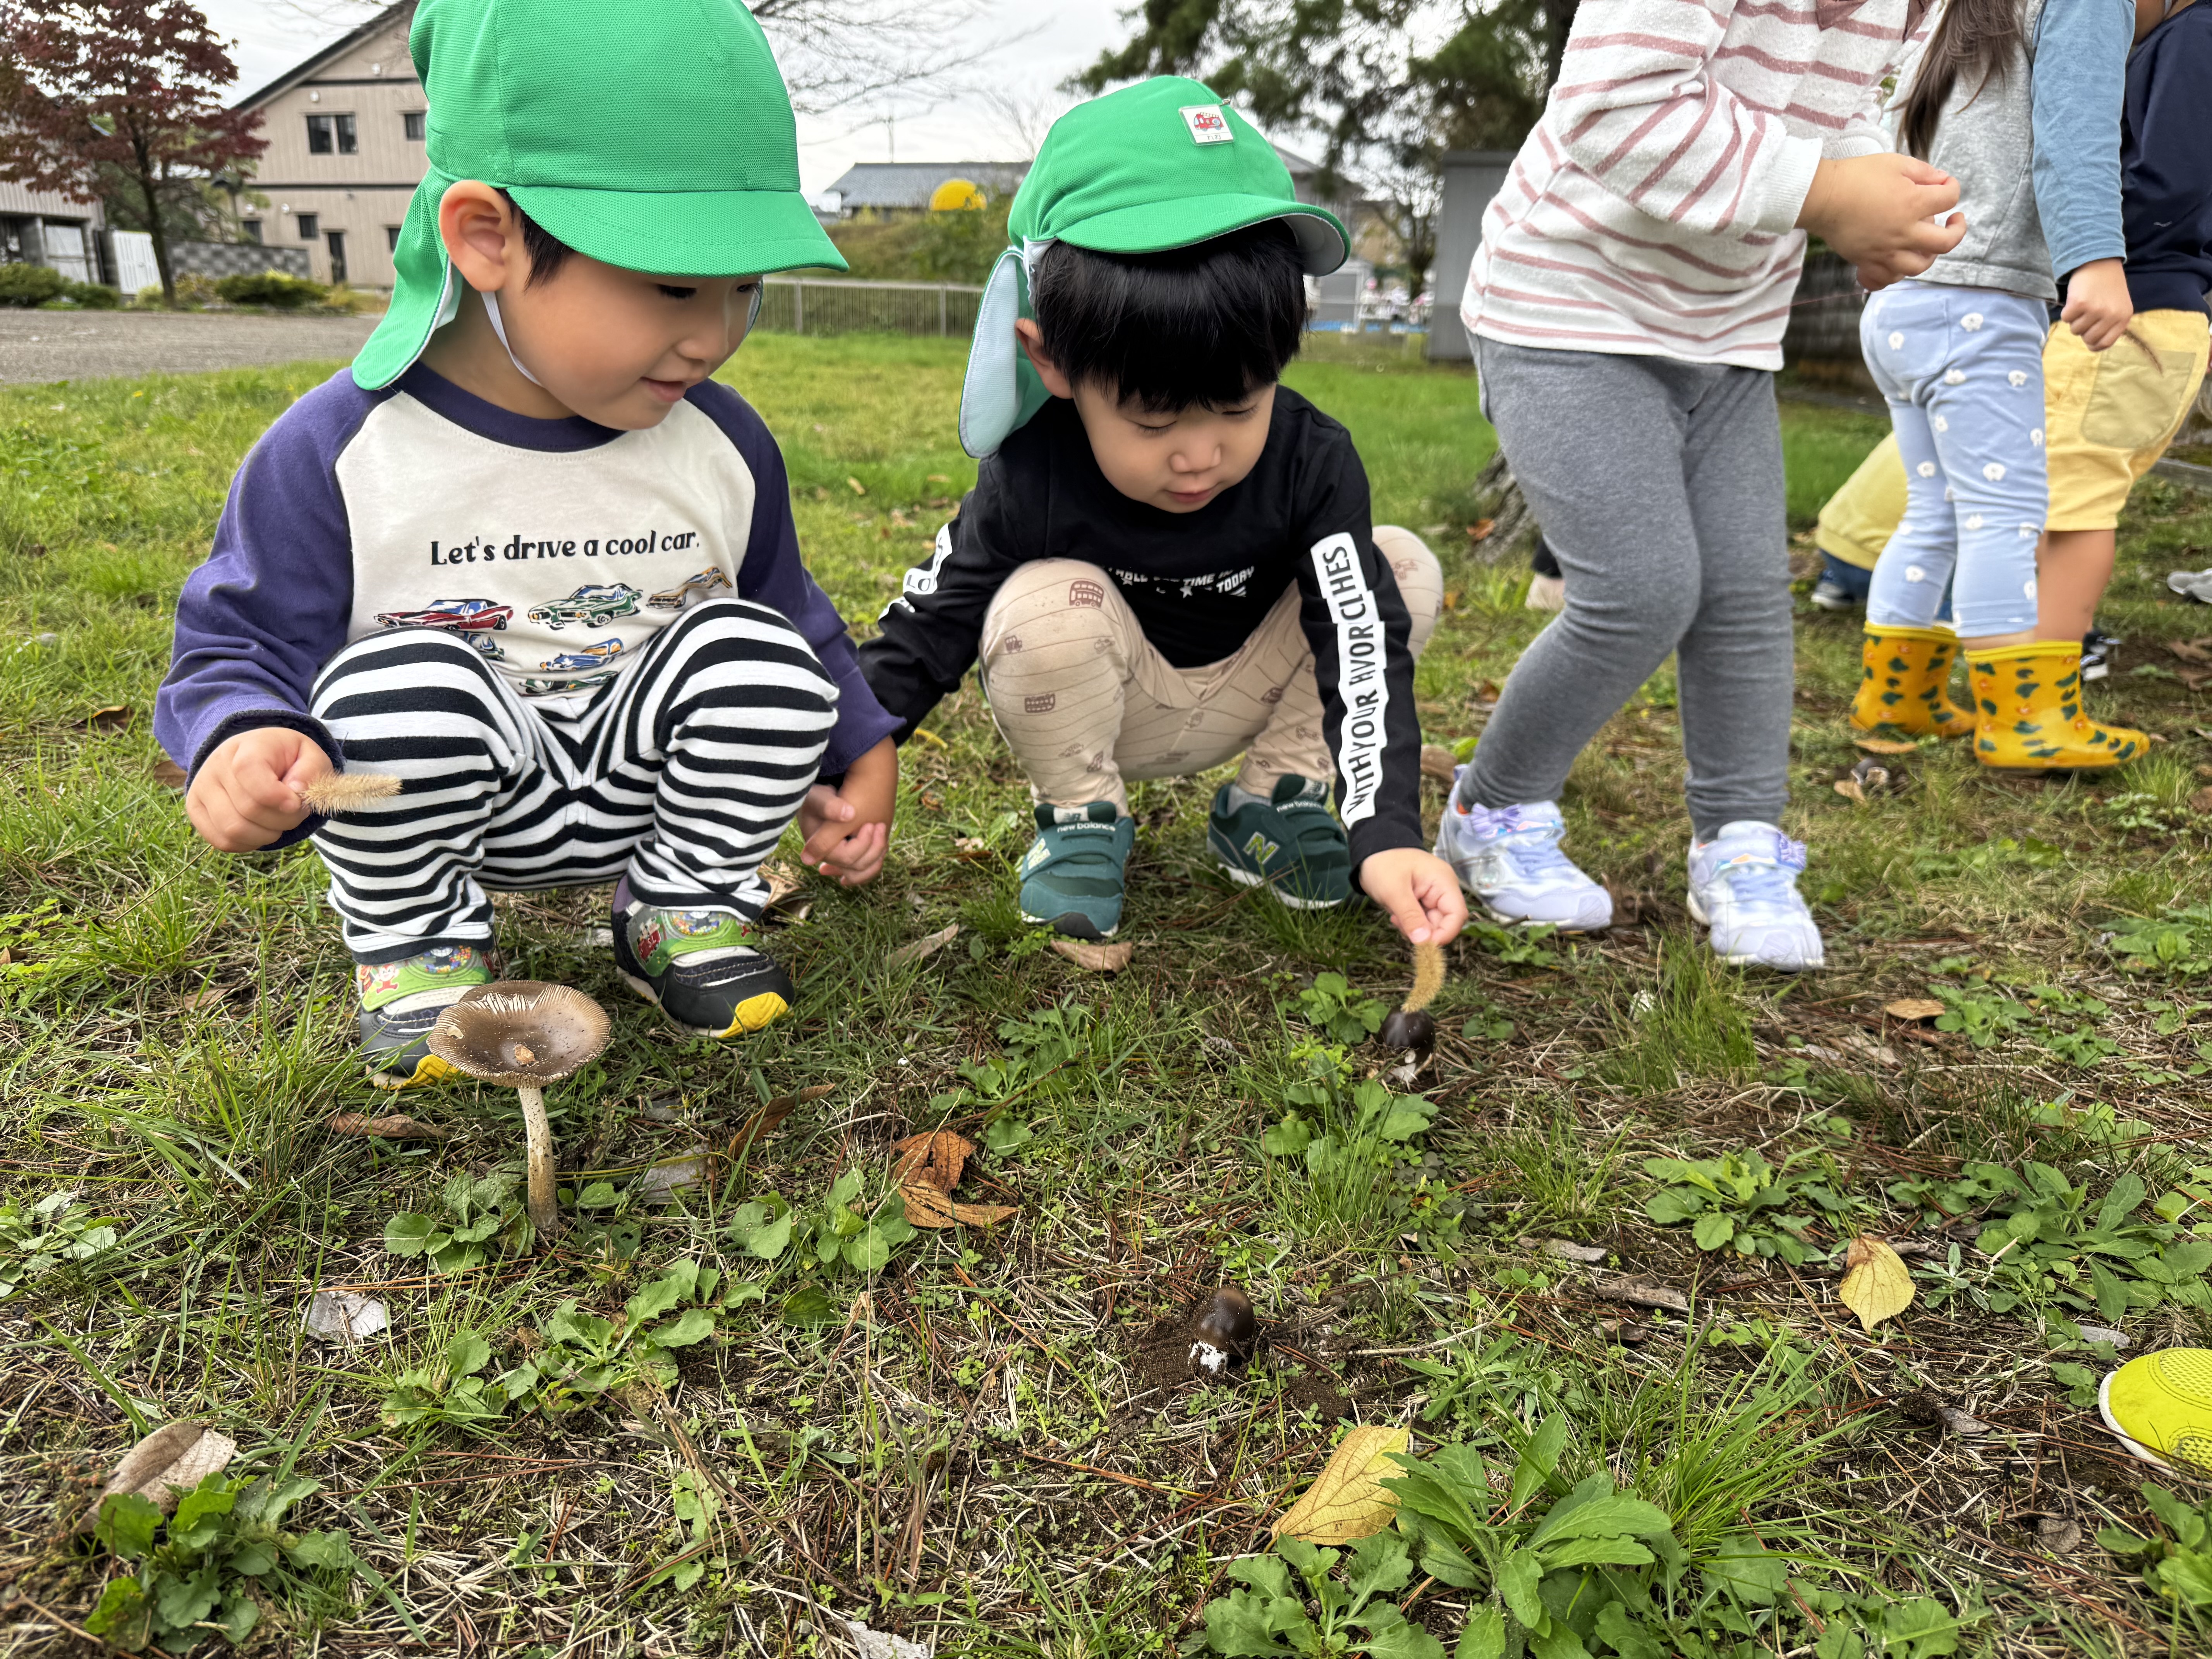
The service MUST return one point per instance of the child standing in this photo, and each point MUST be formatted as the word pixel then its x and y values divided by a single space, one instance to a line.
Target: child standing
pixel 527 557
pixel 1167 559
pixel 1627 303
pixel 1958 354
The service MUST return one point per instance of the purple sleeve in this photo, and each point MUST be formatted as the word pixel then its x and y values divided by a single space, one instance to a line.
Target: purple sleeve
pixel 258 620
pixel 774 574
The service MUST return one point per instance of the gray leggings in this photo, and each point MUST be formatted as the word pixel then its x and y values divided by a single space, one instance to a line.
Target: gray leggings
pixel 1659 487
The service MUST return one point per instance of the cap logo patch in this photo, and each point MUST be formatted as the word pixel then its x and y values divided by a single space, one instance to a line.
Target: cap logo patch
pixel 1207 125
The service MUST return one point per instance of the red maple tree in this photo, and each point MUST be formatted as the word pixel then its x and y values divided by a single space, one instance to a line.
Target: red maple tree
pixel 127 89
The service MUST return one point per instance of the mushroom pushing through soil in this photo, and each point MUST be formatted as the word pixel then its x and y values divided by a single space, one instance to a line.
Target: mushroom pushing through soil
pixel 1222 1326
pixel 1411 1026
pixel 520 1034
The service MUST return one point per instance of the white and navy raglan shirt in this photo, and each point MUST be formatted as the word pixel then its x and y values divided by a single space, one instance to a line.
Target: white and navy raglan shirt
pixel 556 548
pixel 1198 584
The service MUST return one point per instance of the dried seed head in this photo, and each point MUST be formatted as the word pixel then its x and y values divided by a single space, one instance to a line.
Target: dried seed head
pixel 347 791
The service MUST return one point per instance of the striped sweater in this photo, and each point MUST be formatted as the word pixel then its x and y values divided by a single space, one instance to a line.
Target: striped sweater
pixel 1652 210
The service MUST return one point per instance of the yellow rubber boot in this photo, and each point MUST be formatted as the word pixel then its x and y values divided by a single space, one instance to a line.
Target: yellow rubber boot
pixel 1904 691
pixel 2029 702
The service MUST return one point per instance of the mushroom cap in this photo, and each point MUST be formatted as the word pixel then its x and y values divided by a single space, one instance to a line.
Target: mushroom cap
pixel 1416 1031
pixel 487 1032
pixel 1223 1319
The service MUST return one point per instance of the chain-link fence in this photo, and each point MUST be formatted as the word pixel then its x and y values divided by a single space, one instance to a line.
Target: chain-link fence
pixel 822 305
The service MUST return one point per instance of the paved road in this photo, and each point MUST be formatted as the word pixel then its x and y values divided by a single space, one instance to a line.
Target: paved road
pixel 90 345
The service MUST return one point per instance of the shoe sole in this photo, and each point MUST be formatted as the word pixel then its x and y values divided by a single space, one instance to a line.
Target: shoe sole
pixel 1074 924
pixel 1745 959
pixel 2135 1448
pixel 1576 928
pixel 754 1014
pixel 1244 878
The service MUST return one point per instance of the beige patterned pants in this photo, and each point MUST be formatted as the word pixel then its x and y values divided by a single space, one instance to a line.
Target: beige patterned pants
pixel 1086 702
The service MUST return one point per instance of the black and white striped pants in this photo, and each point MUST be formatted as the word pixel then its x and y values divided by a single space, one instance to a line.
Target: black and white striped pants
pixel 682 772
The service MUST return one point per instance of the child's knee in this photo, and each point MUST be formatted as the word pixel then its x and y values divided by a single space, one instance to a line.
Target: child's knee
pixel 728 652
pixel 1053 613
pixel 404 668
pixel 1420 579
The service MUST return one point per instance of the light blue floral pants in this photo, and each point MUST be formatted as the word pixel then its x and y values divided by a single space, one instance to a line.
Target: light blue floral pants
pixel 1962 369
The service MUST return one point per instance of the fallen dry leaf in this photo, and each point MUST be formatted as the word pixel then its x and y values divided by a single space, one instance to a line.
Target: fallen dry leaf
pixel 919 948
pixel 1436 763
pixel 1958 1422
pixel 1098 958
pixel 114 718
pixel 2202 801
pixel 1348 1501
pixel 1876 1284
pixel 931 1160
pixel 969 848
pixel 1484 694
pixel 1914 1008
pixel 2057 1534
pixel 1565 1249
pixel 765 1121
pixel 345 1317
pixel 1884 745
pixel 782 881
pixel 1850 789
pixel 2191 650
pixel 676 1175
pixel 208 996
pixel 173 1459
pixel 169 774
pixel 1639 1294
pixel 856 486
pixel 927 1207
pixel 396 1127
pixel 1480 529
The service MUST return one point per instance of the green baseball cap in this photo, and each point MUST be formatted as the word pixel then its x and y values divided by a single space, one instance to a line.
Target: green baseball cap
pixel 1159 164
pixel 655 135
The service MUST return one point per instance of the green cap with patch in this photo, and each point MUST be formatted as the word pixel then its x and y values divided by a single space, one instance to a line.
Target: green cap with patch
pixel 655 135
pixel 1159 164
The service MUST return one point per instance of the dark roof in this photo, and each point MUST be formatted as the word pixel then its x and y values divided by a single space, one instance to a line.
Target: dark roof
pixel 304 70
pixel 909 184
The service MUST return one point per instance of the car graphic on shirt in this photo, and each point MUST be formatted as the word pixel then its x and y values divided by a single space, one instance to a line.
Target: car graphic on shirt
pixel 462 615
pixel 704 584
pixel 595 602
pixel 598 655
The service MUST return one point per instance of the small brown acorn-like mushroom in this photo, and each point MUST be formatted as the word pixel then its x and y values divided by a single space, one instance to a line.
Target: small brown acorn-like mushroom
pixel 522 1034
pixel 1410 1026
pixel 1222 1326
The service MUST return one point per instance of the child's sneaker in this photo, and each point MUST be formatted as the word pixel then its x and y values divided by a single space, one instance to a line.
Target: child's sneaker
pixel 401 1000
pixel 1743 884
pixel 702 964
pixel 2160 1405
pixel 1510 859
pixel 1072 876
pixel 1290 844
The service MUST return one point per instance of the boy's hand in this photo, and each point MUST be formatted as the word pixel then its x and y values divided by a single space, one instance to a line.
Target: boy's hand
pixel 1881 213
pixel 1419 890
pixel 248 792
pixel 2098 307
pixel 848 829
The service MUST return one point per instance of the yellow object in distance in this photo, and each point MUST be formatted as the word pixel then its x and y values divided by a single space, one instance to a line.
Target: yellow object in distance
pixel 955 194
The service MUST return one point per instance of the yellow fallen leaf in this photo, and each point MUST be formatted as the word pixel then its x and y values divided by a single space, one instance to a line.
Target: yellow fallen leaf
pixel 1098 958
pixel 1912 1008
pixel 1876 1284
pixel 1883 745
pixel 927 945
pixel 1348 1501
pixel 926 1206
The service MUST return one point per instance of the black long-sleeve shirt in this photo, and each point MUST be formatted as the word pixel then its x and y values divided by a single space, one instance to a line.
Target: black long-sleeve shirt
pixel 1198 583
pixel 2165 164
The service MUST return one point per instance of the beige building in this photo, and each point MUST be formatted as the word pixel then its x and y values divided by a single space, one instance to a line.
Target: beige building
pixel 346 132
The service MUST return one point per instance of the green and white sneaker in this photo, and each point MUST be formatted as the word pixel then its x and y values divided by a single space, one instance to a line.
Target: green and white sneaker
pixel 1072 876
pixel 401 1000
pixel 1290 843
pixel 702 964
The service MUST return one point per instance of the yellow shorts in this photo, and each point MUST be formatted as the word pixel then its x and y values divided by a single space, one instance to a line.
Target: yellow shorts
pixel 2109 416
pixel 1859 518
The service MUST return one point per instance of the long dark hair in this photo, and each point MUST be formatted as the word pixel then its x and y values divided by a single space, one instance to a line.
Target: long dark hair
pixel 1973 37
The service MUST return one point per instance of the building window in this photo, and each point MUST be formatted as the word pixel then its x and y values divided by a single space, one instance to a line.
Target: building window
pixel 413 122
pixel 310 226
pixel 391 238
pixel 332 134
pixel 251 229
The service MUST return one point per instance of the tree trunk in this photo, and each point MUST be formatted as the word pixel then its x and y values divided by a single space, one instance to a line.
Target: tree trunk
pixel 149 193
pixel 1511 523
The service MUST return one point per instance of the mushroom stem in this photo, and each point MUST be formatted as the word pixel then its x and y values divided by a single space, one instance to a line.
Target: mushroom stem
pixel 538 1133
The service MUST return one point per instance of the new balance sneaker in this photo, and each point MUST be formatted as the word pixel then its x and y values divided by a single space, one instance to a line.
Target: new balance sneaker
pixel 1743 885
pixel 1510 859
pixel 2100 651
pixel 2160 1405
pixel 401 1000
pixel 1290 843
pixel 701 963
pixel 1072 876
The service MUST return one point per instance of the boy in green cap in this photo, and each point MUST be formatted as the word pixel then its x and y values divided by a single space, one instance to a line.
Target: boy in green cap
pixel 527 557
pixel 1167 559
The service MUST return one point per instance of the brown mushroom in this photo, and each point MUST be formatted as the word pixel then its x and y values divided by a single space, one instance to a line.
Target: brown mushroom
pixel 520 1034
pixel 1223 1326
pixel 1410 1026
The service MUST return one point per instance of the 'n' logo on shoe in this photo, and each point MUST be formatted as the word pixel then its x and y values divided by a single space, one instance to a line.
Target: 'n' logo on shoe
pixel 1259 849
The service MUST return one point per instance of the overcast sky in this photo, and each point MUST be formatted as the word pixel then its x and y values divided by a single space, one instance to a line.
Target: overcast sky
pixel 1059 37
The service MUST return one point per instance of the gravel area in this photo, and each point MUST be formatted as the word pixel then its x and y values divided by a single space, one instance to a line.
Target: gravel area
pixel 92 345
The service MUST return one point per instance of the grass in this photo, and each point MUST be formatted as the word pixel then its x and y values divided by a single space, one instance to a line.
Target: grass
pixel 989 1439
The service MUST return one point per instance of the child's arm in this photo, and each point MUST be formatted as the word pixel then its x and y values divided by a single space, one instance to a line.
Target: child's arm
pixel 255 624
pixel 2081 83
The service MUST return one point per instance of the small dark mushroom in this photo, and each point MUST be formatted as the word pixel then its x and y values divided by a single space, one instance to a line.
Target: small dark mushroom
pixel 521 1034
pixel 1222 1326
pixel 1415 1029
